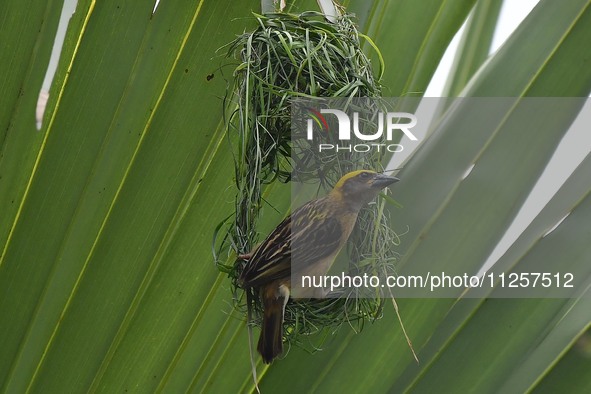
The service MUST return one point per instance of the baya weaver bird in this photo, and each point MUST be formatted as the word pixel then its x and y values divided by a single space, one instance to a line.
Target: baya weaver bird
pixel 314 234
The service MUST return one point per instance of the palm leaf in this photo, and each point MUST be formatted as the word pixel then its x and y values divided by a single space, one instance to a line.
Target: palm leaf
pixel 107 282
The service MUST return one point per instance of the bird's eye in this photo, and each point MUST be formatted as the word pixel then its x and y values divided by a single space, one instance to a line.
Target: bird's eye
pixel 364 175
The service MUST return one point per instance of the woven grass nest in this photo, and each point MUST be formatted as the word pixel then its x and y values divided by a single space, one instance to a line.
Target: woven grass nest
pixel 287 57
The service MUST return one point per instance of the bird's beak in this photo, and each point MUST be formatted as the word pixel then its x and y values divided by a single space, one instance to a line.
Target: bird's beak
pixel 381 181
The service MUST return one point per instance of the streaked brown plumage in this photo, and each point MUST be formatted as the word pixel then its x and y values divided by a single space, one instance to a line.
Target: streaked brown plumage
pixel 312 235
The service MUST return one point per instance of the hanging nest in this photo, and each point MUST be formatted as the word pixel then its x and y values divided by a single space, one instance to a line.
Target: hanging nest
pixel 288 57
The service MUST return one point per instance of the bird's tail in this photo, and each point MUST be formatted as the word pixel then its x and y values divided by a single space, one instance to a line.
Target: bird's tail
pixel 271 339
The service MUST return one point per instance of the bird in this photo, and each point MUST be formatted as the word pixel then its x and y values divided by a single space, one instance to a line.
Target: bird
pixel 313 235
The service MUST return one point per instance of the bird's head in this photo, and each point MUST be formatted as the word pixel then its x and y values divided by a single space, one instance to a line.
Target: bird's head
pixel 357 188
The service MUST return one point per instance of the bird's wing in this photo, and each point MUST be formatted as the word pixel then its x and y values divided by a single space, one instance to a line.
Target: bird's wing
pixel 271 258
pixel 308 235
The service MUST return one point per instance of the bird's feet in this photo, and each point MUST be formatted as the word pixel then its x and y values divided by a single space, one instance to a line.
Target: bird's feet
pixel 245 256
